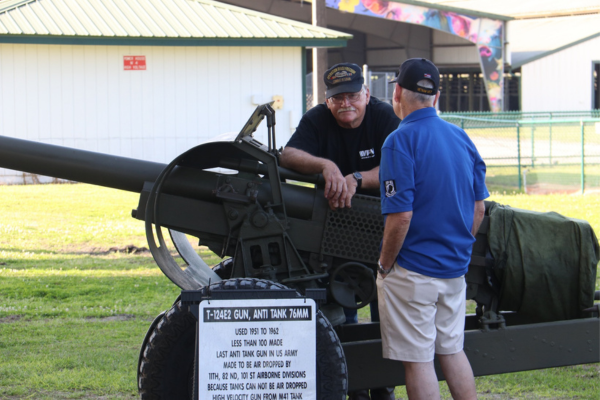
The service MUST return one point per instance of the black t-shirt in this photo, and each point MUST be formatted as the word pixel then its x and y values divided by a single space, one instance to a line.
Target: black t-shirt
pixel 358 149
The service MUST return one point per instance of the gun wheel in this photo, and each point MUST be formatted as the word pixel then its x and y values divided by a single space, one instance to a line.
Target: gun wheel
pixel 166 365
pixel 224 268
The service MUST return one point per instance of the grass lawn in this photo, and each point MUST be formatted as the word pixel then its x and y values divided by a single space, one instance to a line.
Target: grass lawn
pixel 551 157
pixel 75 303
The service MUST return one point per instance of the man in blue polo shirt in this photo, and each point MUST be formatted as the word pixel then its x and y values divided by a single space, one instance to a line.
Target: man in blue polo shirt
pixel 432 190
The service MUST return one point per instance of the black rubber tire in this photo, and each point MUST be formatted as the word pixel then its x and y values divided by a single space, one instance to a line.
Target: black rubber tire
pixel 224 268
pixel 167 366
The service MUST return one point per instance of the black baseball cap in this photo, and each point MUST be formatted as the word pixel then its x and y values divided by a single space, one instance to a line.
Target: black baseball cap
pixel 415 69
pixel 343 78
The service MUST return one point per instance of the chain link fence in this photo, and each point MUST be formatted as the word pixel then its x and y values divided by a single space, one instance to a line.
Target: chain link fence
pixel 531 152
pixel 379 85
pixel 536 152
pixel 309 91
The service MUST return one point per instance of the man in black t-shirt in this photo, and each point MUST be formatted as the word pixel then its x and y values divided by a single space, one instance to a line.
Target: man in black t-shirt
pixel 342 139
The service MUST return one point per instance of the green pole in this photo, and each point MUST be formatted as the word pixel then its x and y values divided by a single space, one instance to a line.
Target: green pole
pixel 582 158
pixel 550 142
pixel 303 50
pixel 519 155
pixel 532 145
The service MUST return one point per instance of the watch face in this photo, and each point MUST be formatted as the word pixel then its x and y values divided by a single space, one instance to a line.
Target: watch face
pixel 357 175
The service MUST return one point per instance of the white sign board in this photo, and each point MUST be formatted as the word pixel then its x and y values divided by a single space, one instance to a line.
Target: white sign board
pixel 261 349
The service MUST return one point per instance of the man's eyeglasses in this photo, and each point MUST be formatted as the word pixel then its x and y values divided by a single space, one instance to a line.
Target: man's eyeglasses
pixel 352 97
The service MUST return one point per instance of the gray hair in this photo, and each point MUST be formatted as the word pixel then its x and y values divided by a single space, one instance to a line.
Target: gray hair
pixel 424 99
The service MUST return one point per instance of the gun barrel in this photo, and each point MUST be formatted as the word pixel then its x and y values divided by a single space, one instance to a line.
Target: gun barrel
pixel 126 173
pixel 77 165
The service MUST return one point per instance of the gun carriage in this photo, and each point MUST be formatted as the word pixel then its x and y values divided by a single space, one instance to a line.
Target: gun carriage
pixel 273 235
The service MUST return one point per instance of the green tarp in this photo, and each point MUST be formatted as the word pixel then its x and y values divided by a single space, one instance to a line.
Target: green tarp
pixel 546 263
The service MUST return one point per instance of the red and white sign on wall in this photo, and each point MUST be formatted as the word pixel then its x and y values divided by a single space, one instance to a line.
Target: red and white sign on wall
pixel 134 63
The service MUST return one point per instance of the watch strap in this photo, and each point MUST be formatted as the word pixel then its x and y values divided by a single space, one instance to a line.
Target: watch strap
pixel 358 177
pixel 383 270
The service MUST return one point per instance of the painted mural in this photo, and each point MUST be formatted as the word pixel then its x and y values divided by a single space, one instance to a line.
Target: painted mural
pixel 486 33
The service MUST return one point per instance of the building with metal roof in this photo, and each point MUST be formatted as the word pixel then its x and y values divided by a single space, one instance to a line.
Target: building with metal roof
pixel 483 48
pixel 181 22
pixel 528 9
pixel 147 79
pixel 554 46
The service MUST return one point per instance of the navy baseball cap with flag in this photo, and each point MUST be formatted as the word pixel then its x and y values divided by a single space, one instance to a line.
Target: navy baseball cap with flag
pixel 343 78
pixel 415 69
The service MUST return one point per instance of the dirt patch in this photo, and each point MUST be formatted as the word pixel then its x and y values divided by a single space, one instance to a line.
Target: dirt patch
pixel 10 318
pixel 531 396
pixel 118 317
pixel 592 371
pixel 129 249
pixel 103 251
pixel 44 395
pixel 550 188
pixel 554 188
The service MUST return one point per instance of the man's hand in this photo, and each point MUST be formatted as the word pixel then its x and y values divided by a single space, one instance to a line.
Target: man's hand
pixel 339 189
pixel 383 275
pixel 336 186
pixel 351 184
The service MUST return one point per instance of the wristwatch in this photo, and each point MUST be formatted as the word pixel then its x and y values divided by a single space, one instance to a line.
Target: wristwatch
pixel 382 270
pixel 358 176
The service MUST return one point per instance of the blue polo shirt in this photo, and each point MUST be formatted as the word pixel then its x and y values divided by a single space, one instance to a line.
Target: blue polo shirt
pixel 432 168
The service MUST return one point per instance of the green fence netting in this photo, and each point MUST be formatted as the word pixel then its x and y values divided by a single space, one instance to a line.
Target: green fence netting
pixel 536 152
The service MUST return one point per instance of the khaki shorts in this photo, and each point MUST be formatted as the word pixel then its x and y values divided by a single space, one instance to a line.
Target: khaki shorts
pixel 420 315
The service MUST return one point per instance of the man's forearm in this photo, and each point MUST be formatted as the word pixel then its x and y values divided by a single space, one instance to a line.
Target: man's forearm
pixel 396 228
pixel 336 187
pixel 306 163
pixel 301 161
pixel 370 178
pixel 478 216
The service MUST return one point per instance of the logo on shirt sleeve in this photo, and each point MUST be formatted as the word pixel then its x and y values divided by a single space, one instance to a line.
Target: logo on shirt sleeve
pixel 390 188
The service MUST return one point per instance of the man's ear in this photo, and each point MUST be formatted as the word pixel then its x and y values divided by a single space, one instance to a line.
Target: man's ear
pixel 327 103
pixel 397 93
pixel 437 97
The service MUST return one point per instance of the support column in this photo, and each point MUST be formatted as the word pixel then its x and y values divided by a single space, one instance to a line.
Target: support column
pixel 319 55
pixel 490 46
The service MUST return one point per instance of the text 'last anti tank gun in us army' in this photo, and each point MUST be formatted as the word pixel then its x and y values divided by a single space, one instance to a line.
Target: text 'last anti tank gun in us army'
pixel 535 300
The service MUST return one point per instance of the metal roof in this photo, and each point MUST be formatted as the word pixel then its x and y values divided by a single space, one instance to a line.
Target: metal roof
pixel 539 27
pixel 441 5
pixel 196 22
pixel 531 39
pixel 520 9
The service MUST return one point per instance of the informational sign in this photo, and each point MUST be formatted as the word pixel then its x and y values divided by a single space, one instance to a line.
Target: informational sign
pixel 132 63
pixel 260 349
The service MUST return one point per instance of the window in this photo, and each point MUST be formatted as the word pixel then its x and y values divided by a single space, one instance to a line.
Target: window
pixel 462 91
pixel 465 91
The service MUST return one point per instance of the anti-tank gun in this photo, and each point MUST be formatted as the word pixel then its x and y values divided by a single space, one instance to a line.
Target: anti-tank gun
pixel 234 198
pixel 271 229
